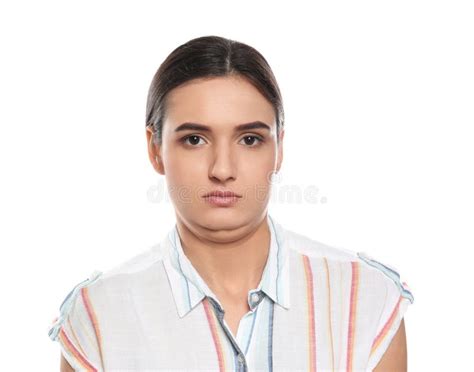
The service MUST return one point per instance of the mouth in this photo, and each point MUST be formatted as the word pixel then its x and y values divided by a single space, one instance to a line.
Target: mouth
pixel 222 194
pixel 221 198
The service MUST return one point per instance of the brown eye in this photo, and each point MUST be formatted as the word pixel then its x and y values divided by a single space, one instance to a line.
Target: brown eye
pixel 194 139
pixel 250 139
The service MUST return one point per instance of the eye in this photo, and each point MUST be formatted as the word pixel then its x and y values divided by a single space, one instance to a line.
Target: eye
pixel 249 140
pixel 252 138
pixel 193 137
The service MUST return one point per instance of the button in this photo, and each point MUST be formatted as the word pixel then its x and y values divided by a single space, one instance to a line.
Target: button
pixel 255 297
pixel 241 358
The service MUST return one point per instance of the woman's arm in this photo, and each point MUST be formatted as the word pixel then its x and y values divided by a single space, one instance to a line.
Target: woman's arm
pixel 65 366
pixel 395 358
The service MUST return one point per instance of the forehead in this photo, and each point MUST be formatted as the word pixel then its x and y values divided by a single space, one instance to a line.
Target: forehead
pixel 218 102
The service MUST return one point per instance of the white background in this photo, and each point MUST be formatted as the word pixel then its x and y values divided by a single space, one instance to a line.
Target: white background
pixel 379 118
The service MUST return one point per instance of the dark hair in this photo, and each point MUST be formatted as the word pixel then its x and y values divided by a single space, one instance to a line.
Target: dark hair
pixel 207 57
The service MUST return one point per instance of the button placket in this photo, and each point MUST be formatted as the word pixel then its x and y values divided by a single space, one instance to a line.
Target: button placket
pixel 220 317
pixel 241 363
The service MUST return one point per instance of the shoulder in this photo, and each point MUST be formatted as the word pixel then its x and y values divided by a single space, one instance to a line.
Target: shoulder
pixel 370 288
pixel 102 286
pixel 115 286
pixel 75 329
pixel 377 273
pixel 389 273
pixel 315 249
pixel 137 263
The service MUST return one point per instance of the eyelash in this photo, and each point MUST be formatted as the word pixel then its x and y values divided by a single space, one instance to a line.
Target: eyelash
pixel 260 139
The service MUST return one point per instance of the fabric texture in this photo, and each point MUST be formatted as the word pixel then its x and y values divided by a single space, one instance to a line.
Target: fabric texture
pixel 316 308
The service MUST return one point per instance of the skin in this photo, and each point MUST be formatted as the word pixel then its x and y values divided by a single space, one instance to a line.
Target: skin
pixel 395 357
pixel 65 366
pixel 228 246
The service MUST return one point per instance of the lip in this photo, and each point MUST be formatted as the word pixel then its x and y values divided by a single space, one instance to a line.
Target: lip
pixel 222 194
pixel 221 198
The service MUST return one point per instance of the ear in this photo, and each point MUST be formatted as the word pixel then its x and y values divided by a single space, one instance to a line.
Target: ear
pixel 280 150
pixel 154 152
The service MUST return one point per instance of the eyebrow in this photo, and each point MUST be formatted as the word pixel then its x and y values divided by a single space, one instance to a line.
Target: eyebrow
pixel 241 127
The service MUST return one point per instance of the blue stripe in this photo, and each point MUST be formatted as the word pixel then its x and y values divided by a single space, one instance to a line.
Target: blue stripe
pixel 270 338
pixel 236 364
pixel 390 273
pixel 181 270
pixel 251 330
pixel 278 259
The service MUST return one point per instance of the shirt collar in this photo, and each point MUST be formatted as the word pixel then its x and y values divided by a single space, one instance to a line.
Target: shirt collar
pixel 189 288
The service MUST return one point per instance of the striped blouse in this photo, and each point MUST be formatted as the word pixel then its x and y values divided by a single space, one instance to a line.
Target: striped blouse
pixel 316 308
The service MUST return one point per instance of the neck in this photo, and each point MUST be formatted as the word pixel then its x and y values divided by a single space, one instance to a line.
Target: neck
pixel 231 262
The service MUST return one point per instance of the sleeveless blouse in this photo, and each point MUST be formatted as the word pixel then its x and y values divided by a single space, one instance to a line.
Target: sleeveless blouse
pixel 316 308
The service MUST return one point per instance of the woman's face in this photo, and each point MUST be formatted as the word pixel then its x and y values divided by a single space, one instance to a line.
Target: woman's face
pixel 220 156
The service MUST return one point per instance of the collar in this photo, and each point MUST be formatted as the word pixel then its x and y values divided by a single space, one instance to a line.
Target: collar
pixel 189 289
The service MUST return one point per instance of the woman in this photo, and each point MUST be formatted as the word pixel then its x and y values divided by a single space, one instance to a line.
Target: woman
pixel 228 288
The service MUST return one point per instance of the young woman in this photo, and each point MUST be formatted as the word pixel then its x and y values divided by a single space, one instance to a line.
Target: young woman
pixel 229 288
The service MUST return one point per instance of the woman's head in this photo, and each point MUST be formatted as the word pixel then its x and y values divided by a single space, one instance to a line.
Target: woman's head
pixel 199 98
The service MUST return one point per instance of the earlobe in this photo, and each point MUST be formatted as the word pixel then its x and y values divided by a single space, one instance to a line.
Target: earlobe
pixel 158 165
pixel 280 151
pixel 153 150
pixel 161 169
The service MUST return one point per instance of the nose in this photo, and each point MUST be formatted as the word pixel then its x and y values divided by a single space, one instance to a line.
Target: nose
pixel 222 166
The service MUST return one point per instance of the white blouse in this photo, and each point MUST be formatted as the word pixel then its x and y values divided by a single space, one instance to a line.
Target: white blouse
pixel 316 308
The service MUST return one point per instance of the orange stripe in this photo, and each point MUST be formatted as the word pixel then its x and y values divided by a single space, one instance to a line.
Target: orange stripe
pixel 75 353
pixel 93 319
pixel 75 336
pixel 385 328
pixel 342 312
pixel 310 300
pixel 352 314
pixel 215 336
pixel 329 310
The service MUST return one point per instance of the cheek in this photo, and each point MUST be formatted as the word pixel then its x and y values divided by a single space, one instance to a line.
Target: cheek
pixel 255 180
pixel 183 171
pixel 257 168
